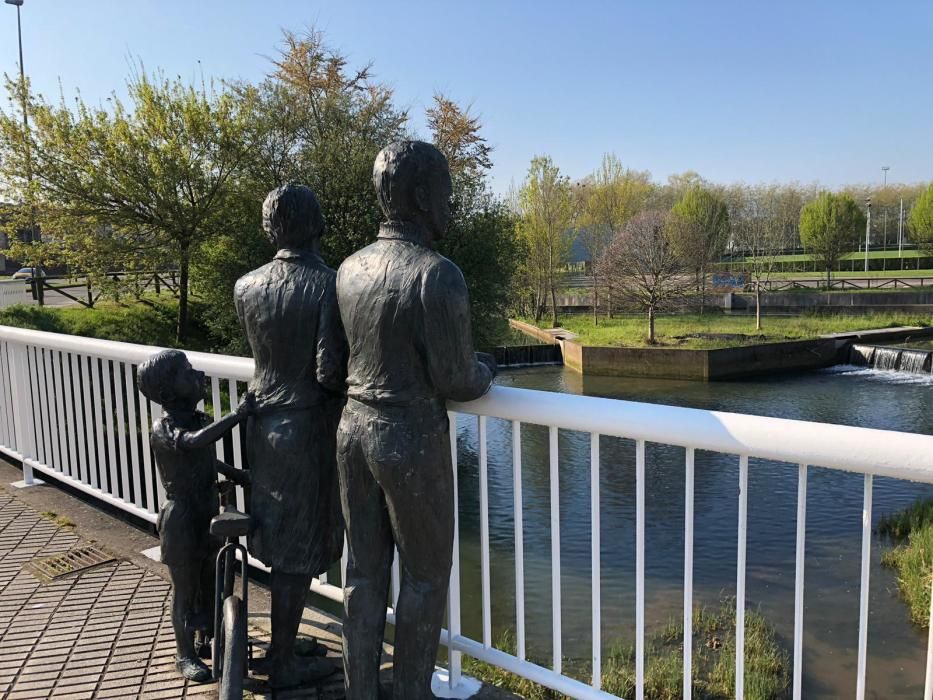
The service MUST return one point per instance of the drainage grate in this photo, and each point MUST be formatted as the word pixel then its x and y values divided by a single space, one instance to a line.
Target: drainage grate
pixel 71 562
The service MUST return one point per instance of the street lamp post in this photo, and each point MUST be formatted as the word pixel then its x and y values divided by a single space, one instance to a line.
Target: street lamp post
pixel 867 231
pixel 33 233
pixel 884 226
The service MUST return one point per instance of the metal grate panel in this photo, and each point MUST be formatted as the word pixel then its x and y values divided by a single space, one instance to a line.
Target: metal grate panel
pixel 72 562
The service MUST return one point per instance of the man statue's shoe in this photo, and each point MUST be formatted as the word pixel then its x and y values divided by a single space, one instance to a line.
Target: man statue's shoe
pixel 193 669
pixel 309 646
pixel 300 671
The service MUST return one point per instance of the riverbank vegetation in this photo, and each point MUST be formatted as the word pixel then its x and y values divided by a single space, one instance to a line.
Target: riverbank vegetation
pixel 767 663
pixel 150 320
pixel 912 557
pixel 708 331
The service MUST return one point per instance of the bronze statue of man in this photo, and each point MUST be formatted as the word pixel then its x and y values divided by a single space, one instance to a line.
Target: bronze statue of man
pixel 406 316
pixel 288 310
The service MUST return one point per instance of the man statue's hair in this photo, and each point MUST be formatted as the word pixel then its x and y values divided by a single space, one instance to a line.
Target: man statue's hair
pixel 401 167
pixel 156 376
pixel 291 216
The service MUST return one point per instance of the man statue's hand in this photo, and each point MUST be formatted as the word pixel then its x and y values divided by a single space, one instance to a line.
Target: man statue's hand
pixel 247 406
pixel 488 360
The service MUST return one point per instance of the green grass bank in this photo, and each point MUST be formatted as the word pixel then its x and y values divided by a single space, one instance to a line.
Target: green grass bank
pixel 713 331
pixel 912 557
pixel 767 663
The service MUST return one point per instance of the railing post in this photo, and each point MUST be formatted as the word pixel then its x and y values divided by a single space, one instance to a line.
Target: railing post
pixel 25 440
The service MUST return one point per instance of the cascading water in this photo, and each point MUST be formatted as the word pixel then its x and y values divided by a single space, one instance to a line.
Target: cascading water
pixel 882 357
pixel 861 355
pixel 886 358
pixel 914 361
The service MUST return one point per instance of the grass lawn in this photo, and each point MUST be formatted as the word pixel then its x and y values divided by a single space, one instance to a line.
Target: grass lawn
pixel 881 274
pixel 674 331
pixel 149 321
pixel 855 255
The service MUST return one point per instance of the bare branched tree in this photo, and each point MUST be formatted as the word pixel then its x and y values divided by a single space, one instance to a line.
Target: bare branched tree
pixel 642 265
pixel 763 225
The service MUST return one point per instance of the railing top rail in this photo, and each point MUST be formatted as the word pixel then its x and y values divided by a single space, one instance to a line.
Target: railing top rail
pixel 864 450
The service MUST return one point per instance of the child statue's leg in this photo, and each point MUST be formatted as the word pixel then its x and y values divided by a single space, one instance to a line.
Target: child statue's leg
pixel 185 584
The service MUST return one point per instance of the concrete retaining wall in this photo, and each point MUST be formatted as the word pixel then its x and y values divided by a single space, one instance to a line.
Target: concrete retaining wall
pixel 702 365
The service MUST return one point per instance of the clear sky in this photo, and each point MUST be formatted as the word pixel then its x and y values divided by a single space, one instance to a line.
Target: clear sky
pixel 824 90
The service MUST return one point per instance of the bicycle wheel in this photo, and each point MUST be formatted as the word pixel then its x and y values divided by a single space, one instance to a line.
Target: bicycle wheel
pixel 233 649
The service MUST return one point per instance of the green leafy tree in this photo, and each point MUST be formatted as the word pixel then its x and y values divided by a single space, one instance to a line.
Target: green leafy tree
pixel 921 220
pixel 316 121
pixel 546 210
pixel 830 225
pixel 126 187
pixel 699 228
pixel 610 197
pixel 480 238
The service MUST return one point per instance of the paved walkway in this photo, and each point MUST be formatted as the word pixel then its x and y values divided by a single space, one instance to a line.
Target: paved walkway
pixel 106 632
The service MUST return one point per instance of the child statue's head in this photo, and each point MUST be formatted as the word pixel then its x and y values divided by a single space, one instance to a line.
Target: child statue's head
pixel 168 379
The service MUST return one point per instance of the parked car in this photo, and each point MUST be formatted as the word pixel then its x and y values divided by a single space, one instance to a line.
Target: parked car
pixel 27 273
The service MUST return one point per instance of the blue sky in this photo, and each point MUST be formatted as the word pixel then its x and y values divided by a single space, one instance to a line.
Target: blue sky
pixel 756 91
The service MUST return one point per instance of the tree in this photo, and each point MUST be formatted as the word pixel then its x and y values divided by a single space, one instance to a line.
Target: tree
pixel 830 225
pixel 644 267
pixel 698 229
pixel 921 220
pixel 127 188
pixel 546 211
pixel 762 224
pixel 316 121
pixel 610 197
pixel 480 237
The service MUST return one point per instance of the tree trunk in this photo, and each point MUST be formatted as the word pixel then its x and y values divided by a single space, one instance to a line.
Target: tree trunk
pixel 609 302
pixel 595 302
pixel 553 305
pixel 651 325
pixel 182 329
pixel 702 290
pixel 758 306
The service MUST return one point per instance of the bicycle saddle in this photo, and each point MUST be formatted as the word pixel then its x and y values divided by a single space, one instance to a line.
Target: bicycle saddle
pixel 230 523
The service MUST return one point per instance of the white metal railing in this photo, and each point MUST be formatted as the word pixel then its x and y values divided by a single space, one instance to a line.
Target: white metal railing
pixel 70 410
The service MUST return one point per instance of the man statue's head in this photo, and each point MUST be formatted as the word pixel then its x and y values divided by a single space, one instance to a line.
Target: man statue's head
pixel 412 181
pixel 291 217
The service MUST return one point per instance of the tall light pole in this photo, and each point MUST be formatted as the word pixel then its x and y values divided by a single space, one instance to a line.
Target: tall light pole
pixel 33 232
pixel 884 226
pixel 867 230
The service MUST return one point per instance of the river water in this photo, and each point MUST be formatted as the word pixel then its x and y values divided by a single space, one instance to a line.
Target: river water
pixel 847 395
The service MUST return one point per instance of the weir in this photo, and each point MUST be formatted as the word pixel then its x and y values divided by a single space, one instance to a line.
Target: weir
pixel 528 355
pixel 884 357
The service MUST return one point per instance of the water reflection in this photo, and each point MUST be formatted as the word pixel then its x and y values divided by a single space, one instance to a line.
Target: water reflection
pixel 896 650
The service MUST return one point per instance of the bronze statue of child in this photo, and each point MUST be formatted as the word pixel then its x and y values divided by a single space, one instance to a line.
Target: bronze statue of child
pixel 182 441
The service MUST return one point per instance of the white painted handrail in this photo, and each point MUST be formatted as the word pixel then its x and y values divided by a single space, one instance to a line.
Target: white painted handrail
pixel 70 410
pixel 864 450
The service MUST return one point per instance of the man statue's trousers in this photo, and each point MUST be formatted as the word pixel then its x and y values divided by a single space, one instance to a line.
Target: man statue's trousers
pixel 396 488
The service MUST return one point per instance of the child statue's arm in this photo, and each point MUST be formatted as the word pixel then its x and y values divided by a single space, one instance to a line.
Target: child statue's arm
pixel 196 439
pixel 237 476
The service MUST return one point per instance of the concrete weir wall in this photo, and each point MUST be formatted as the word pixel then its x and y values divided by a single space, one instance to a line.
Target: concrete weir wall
pixel 701 365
